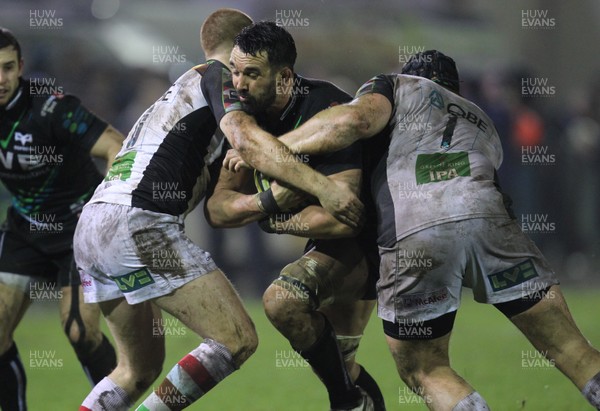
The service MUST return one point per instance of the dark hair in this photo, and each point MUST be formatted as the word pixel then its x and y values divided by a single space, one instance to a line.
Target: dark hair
pixel 8 39
pixel 435 66
pixel 266 36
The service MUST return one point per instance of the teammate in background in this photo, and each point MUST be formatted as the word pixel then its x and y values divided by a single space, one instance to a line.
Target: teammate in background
pixel 45 147
pixel 443 224
pixel 131 250
pixel 330 289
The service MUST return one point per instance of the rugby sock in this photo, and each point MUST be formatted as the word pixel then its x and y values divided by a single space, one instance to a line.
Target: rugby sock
pixel 100 362
pixel 591 391
pixel 192 377
pixel 106 396
pixel 12 381
pixel 369 385
pixel 472 402
pixel 325 357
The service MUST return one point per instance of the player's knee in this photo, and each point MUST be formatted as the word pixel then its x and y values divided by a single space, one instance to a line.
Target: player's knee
pixel 278 305
pixel 289 295
pixel 83 337
pixel 409 368
pixel 417 360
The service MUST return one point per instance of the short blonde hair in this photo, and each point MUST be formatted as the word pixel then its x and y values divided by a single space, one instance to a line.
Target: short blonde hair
pixel 221 27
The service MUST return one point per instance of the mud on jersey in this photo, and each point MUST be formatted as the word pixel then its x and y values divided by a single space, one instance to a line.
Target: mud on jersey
pixel 309 97
pixel 45 161
pixel 163 165
pixel 441 161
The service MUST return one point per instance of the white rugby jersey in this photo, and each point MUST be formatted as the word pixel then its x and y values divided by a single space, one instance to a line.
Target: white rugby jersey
pixel 163 164
pixel 441 161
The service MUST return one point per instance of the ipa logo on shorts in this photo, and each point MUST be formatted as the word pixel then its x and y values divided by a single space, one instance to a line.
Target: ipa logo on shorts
pixel 512 276
pixel 134 280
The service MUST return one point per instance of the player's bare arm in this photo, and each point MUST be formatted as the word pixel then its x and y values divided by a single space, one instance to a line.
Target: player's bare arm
pixel 332 129
pixel 108 145
pixel 314 221
pixel 234 203
pixel 259 149
pixel 338 127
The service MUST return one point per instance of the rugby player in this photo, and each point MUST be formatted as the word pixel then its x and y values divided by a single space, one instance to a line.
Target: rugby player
pixel 131 250
pixel 443 223
pixel 330 290
pixel 46 144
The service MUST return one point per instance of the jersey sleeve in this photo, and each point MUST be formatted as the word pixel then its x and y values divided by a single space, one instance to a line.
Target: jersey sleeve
pixel 218 90
pixel 72 123
pixel 382 84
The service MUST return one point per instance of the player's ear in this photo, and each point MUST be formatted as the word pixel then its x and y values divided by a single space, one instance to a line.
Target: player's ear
pixel 286 76
pixel 21 65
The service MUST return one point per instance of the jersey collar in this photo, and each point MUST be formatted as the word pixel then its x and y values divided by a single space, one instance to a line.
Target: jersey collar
pixel 15 99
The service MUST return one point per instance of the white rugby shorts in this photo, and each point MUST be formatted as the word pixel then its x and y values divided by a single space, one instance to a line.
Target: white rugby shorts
pixel 128 252
pixel 421 277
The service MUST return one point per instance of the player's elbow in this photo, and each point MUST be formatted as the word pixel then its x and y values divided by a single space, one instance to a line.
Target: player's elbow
pixel 213 216
pixel 237 127
pixel 344 231
pixel 328 228
pixel 356 122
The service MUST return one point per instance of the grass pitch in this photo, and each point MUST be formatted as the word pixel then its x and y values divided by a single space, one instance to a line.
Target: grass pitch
pixel 485 349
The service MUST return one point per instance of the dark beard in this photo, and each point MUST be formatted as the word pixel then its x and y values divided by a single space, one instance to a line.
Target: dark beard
pixel 256 107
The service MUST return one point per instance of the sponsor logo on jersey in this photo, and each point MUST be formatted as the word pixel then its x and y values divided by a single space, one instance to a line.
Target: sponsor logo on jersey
pixel 23 138
pixel 49 105
pixel 26 162
pixel 513 276
pixel 436 99
pixel 471 117
pixel 433 168
pixel 134 280
pixel 121 167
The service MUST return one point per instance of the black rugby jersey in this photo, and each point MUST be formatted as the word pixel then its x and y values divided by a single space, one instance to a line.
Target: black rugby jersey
pixel 45 161
pixel 310 96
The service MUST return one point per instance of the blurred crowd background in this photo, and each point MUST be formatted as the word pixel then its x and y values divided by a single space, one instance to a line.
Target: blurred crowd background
pixel 533 65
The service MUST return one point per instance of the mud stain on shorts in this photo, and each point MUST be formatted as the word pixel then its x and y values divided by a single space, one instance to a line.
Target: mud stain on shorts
pixel 156 251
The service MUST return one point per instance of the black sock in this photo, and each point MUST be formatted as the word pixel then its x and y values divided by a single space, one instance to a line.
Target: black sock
pixel 100 362
pixel 325 358
pixel 367 383
pixel 12 381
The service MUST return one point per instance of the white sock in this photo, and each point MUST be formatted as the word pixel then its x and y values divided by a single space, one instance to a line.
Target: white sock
pixel 591 391
pixel 472 402
pixel 107 396
pixel 192 377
